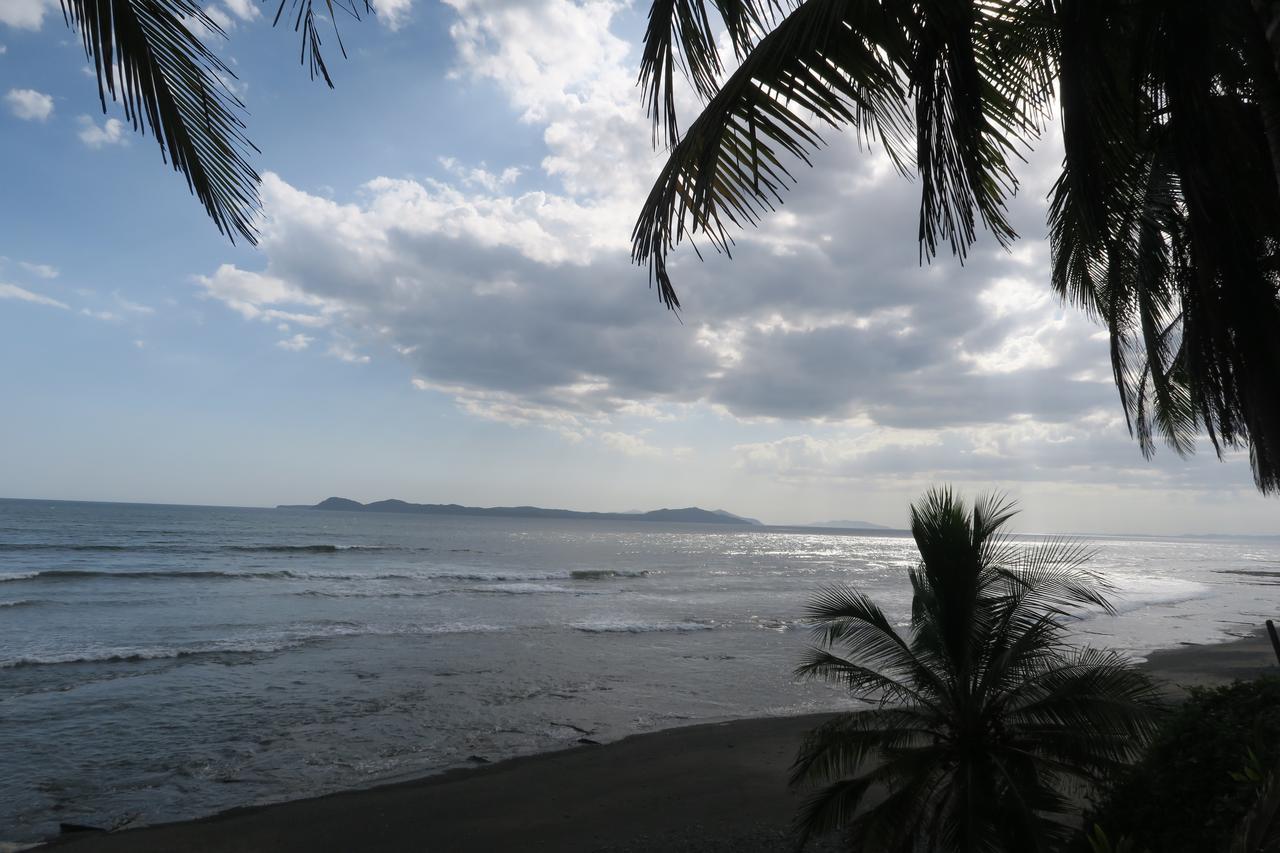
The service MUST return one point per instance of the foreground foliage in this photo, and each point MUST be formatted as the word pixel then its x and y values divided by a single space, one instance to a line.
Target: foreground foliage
pixel 1165 221
pixel 1205 772
pixel 984 716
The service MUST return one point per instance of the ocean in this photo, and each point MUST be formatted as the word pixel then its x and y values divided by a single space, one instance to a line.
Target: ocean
pixel 167 662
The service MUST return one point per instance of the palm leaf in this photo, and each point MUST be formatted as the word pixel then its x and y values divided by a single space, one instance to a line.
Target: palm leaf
pixel 681 33
pixel 170 82
pixel 824 64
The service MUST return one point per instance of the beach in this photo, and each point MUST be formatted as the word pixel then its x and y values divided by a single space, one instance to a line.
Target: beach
pixel 705 788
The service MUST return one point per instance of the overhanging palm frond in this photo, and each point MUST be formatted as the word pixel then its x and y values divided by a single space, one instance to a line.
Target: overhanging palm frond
pixel 681 32
pixel 304 23
pixel 169 82
pixel 827 63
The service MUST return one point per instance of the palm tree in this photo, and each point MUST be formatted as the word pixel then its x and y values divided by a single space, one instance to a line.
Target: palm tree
pixel 149 55
pixel 1165 223
pixel 982 716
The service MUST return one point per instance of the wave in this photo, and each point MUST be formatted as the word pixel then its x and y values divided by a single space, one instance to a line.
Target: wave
pixel 135 655
pixel 1152 592
pixel 188 549
pixel 283 642
pixel 53 546
pixel 518 589
pixel 610 626
pixel 53 575
pixel 493 577
pixel 315 549
pixel 320 593
pixel 22 602
pixel 604 574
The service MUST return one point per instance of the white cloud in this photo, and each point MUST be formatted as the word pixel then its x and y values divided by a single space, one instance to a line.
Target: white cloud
pixel 630 445
pixel 3 49
pixel 29 105
pixel 25 14
pixel 522 306
pixel 41 270
pixel 251 294
pixel 245 10
pixel 344 351
pixel 104 316
pixel 12 291
pixel 220 17
pixel 297 343
pixel 111 132
pixel 132 307
pixel 481 177
pixel 393 14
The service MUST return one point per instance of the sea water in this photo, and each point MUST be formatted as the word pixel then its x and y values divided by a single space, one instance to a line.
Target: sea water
pixel 166 662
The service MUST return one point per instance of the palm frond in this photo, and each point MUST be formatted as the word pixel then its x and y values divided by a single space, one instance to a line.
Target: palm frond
pixel 985 713
pixel 863 683
pixel 826 63
pixel 170 83
pixel 842 745
pixel 682 33
pixel 305 23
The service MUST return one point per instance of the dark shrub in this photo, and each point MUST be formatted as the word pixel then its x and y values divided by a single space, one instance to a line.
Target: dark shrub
pixel 1188 793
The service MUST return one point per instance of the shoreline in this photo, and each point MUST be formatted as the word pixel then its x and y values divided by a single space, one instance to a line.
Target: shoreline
pixel 703 788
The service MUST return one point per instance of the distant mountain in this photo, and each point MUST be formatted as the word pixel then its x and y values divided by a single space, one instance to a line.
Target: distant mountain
pixel 757 522
pixel 849 525
pixel 687 515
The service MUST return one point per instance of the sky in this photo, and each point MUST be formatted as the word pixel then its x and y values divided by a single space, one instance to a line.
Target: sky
pixel 442 307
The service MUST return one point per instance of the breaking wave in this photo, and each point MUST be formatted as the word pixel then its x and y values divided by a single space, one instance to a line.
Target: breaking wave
pixel 205 549
pixel 259 646
pixel 610 626
pixel 54 575
pixel 604 574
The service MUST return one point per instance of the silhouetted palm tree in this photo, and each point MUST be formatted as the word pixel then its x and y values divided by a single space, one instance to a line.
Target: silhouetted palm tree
pixel 983 715
pixel 150 55
pixel 1165 223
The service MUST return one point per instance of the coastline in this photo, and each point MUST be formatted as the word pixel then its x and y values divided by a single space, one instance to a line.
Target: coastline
pixel 700 789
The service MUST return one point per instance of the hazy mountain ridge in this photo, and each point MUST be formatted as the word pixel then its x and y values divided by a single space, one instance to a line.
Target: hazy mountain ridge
pixel 688 515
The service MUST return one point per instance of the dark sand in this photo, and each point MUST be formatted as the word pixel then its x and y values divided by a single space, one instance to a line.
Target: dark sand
pixel 710 788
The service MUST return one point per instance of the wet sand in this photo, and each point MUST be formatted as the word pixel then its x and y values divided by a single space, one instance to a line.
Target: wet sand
pixel 711 788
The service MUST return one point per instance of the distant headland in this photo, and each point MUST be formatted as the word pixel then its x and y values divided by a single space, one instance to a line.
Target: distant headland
pixel 687 515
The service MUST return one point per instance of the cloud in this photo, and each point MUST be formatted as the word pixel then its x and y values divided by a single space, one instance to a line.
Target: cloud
pixel 220 17
pixel 512 293
pixel 245 10
pixel 297 343
pixel 25 14
pixel 393 14
pixel 111 132
pixel 41 270
pixel 29 105
pixel 12 291
pixel 480 177
pixel 132 307
pixel 630 445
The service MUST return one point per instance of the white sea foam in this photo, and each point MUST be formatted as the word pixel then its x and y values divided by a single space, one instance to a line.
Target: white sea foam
pixel 614 626
pixel 1151 592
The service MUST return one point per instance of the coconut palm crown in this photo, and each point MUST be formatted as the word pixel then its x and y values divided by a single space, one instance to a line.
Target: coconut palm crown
pixel 1164 223
pixel 983 719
